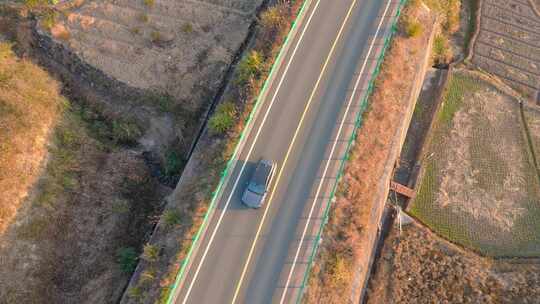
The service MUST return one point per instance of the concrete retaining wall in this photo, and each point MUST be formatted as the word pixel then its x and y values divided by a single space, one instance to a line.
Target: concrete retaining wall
pixel 378 214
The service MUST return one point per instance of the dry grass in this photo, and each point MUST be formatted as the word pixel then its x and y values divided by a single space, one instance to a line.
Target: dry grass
pixel 419 267
pixel 348 228
pixel 30 106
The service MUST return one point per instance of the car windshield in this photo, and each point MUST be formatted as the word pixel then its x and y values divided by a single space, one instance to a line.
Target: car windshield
pixel 260 177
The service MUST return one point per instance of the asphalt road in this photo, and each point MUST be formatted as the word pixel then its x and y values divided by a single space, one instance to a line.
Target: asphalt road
pixel 242 254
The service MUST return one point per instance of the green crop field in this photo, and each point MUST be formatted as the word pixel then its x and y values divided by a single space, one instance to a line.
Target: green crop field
pixel 479 185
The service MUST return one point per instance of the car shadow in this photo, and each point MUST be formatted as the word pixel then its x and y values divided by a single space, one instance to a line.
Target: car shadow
pixel 236 199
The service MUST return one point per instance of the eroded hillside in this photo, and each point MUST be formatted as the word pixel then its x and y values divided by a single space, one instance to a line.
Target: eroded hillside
pixel 161 61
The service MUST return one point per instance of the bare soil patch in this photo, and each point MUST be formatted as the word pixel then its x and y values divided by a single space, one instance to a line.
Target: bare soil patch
pixel 177 46
pixel 417 266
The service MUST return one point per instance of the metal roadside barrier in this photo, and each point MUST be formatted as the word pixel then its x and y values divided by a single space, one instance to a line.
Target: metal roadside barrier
pixel 231 161
pixel 357 125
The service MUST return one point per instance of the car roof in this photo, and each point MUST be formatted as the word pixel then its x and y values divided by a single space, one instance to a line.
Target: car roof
pixel 262 172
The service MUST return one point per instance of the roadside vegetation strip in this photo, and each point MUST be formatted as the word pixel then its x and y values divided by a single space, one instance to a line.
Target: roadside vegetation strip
pixel 358 122
pixel 231 161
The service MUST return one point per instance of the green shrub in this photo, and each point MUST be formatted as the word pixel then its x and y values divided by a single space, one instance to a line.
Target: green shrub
pixel 223 118
pixel 127 258
pixel 49 19
pixel 173 163
pixel 164 295
pixel 125 132
pixel 413 28
pixel 149 3
pixel 272 18
pixel 171 218
pixel 147 277
pixel 441 50
pixel 150 253
pixel 250 67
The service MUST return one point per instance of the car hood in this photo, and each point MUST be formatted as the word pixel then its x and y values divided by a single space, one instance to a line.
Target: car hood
pixel 252 199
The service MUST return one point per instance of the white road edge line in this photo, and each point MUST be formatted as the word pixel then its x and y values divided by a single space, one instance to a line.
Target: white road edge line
pixel 331 153
pixel 249 153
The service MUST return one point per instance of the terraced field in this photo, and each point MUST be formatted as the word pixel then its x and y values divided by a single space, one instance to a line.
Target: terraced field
pixel 508 44
pixel 479 186
pixel 181 47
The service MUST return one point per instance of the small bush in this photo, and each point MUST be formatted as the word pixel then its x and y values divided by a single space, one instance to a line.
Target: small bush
pixel 6 50
pixel 125 132
pixel 147 277
pixel 250 67
pixel 272 17
pixel 442 53
pixel 156 37
pixel 173 163
pixel 36 3
pixel 49 19
pixel 187 28
pixel 144 18
pixel 164 102
pixel 127 258
pixel 120 206
pixel 223 118
pixel 135 292
pixel 149 3
pixel 413 28
pixel 150 253
pixel 172 218
pixel 453 7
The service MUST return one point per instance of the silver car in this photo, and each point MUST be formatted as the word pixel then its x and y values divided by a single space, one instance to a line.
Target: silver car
pixel 259 183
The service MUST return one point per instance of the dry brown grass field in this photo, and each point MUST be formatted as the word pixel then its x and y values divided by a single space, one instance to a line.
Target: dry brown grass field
pixel 417 266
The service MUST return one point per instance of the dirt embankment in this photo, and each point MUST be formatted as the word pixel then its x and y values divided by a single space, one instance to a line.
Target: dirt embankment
pixel 158 63
pixel 71 196
pixel 416 266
